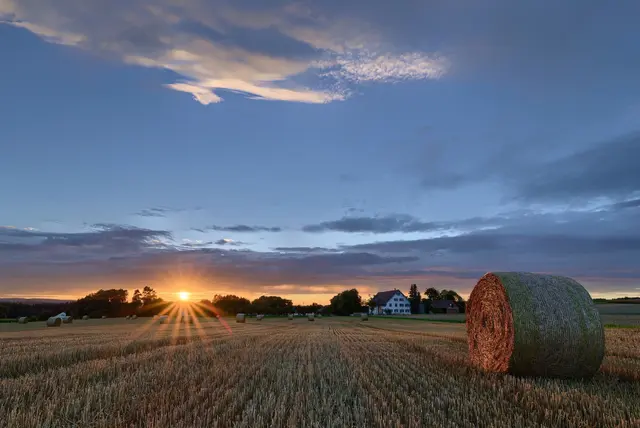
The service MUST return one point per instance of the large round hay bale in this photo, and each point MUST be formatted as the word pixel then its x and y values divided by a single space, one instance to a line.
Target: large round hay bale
pixel 104 317
pixel 311 317
pixel 127 317
pixel 364 317
pixel 259 317
pixel 290 316
pixel 23 320
pixel 54 322
pixel 534 325
pixel 86 317
pixel 134 317
pixel 240 318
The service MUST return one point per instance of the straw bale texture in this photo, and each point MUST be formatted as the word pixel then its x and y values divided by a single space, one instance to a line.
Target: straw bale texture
pixel 54 322
pixel 534 325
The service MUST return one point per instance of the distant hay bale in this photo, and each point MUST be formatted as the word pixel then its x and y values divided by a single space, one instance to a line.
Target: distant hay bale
pixel 67 320
pixel 127 317
pixel 364 317
pixel 86 317
pixel 534 325
pixel 290 317
pixel 240 318
pixel 54 322
pixel 23 320
pixel 259 317
pixel 104 317
pixel 134 317
pixel 311 317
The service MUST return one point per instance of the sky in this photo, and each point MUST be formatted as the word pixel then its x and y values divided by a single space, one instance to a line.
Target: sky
pixel 299 148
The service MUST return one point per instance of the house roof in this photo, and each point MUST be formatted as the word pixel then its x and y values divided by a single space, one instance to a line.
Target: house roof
pixel 383 297
pixel 443 304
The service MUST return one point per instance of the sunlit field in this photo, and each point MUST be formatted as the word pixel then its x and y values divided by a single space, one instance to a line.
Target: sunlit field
pixel 333 372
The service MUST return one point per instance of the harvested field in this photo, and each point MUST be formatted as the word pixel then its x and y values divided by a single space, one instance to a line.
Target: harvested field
pixel 336 372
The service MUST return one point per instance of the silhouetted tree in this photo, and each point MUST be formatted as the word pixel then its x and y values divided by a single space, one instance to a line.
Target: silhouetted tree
pixel 137 298
pixel 432 293
pixel 346 303
pixel 231 304
pixel 414 299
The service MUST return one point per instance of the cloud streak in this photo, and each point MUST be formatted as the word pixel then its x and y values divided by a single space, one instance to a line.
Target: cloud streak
pixel 217 46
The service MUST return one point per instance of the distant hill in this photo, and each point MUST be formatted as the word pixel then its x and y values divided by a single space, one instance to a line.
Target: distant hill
pixel 31 301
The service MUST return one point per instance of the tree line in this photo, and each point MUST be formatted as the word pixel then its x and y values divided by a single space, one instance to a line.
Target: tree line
pixel 145 302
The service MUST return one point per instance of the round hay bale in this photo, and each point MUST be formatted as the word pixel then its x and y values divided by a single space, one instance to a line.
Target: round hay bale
pixel 127 317
pixel 86 317
pixel 364 317
pixel 67 320
pixel 528 324
pixel 23 320
pixel 311 317
pixel 134 317
pixel 290 317
pixel 54 322
pixel 240 318
pixel 104 317
pixel 259 317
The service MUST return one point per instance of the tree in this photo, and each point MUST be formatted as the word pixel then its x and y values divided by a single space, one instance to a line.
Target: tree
pixel 231 304
pixel 307 309
pixel 432 293
pixel 346 303
pixel 272 305
pixel 449 295
pixel 137 298
pixel 414 299
pixel 149 295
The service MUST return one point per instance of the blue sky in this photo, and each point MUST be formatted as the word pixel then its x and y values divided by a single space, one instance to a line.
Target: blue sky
pixel 298 148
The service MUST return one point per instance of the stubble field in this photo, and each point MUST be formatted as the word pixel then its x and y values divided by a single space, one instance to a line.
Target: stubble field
pixel 334 372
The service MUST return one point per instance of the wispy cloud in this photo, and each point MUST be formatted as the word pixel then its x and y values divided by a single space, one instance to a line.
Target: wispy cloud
pixel 217 45
pixel 240 228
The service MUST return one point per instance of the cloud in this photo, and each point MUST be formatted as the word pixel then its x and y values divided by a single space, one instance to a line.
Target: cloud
pixel 608 169
pixel 229 242
pixel 100 242
pixel 280 51
pixel 602 246
pixel 162 211
pixel 384 224
pixel 240 228
pixel 633 203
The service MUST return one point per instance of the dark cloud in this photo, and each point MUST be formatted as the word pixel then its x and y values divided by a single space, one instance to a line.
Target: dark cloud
pixel 240 228
pixel 305 250
pixel 163 211
pixel 609 169
pixel 585 244
pixel 382 224
pixel 102 241
pixel 153 212
pixel 229 242
pixel 633 203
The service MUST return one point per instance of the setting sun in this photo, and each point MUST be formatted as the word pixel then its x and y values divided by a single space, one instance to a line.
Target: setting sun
pixel 184 295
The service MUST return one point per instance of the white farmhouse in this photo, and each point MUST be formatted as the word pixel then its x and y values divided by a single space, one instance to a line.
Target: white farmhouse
pixel 391 302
